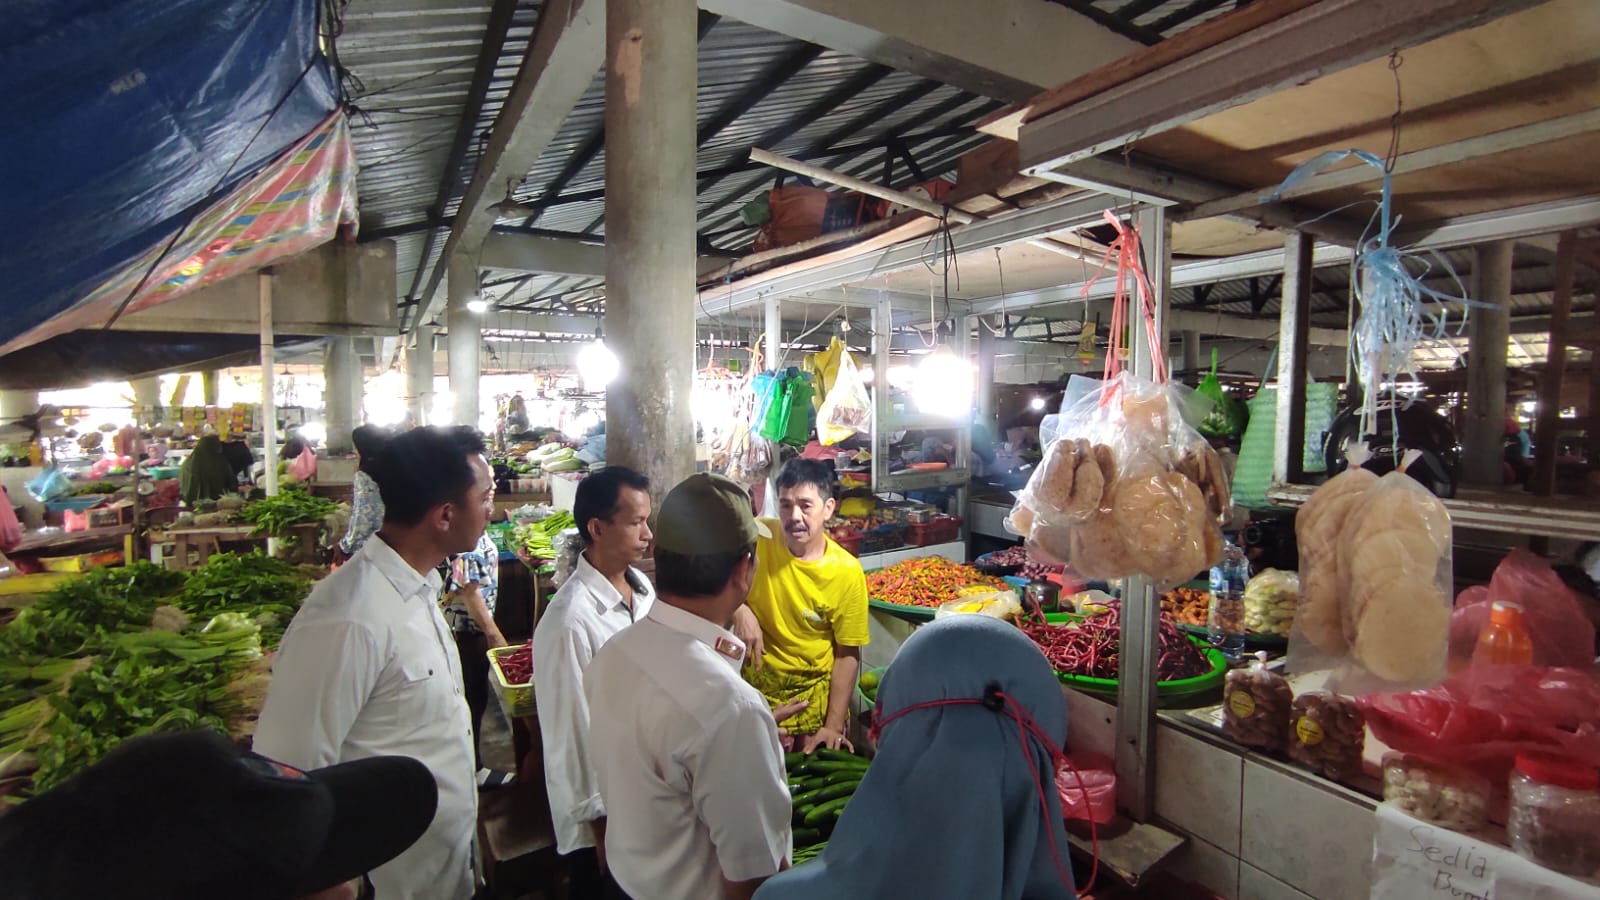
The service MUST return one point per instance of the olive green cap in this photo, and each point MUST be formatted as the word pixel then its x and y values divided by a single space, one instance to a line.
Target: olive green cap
pixel 705 515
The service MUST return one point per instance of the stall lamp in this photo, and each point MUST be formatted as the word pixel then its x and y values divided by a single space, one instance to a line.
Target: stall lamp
pixel 943 385
pixel 477 305
pixel 315 432
pixel 597 365
pixel 1036 404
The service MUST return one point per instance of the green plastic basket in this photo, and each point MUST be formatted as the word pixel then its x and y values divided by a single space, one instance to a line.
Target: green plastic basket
pixel 1181 687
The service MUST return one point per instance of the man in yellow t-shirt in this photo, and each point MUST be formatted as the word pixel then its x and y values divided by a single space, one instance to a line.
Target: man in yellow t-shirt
pixel 806 617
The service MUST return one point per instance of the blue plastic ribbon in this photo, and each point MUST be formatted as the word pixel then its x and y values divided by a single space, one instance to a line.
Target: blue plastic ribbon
pixel 1395 317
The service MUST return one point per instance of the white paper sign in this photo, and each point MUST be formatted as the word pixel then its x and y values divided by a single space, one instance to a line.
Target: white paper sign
pixel 1412 860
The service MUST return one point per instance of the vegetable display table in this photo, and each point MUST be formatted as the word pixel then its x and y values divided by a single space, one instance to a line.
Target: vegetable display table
pixel 207 540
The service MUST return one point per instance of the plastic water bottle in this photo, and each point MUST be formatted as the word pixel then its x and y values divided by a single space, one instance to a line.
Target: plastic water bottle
pixel 1505 640
pixel 1225 621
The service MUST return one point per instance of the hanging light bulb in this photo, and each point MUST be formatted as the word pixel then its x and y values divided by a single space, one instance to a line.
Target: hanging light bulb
pixel 943 385
pixel 597 365
pixel 478 305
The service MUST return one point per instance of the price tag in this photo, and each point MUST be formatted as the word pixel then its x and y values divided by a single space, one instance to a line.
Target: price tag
pixel 1412 860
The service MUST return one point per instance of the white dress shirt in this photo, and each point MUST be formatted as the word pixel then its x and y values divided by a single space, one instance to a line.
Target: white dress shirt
pixel 368 668
pixel 688 760
pixel 581 617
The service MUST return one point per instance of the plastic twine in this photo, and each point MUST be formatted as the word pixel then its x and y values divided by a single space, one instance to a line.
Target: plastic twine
pixel 1396 314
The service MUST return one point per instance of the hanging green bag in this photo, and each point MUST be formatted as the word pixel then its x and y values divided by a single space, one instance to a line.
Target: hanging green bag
pixel 1227 416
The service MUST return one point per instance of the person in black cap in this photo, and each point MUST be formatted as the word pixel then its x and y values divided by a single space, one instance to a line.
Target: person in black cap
pixel 190 816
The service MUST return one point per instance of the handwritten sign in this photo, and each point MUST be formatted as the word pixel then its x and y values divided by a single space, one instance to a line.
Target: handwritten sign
pixel 1413 860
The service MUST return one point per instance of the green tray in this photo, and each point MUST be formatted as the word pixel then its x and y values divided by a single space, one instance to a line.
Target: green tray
pixel 1182 687
pixel 868 702
pixel 909 613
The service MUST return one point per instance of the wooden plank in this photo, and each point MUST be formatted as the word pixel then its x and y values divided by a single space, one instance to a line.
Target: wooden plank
pixel 1008 122
pixel 1548 422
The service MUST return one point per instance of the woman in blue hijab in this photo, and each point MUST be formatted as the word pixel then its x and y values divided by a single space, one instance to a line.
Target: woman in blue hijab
pixel 960 801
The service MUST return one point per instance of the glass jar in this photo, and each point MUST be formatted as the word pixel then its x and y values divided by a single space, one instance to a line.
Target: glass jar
pixel 1555 814
pixel 1452 796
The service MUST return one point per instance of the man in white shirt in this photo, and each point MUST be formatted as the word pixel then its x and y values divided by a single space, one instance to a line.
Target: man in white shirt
pixel 686 753
pixel 603 595
pixel 369 668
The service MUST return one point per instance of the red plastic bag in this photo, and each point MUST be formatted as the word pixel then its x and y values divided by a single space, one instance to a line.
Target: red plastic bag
pixel 1562 634
pixel 1484 717
pixel 1094 797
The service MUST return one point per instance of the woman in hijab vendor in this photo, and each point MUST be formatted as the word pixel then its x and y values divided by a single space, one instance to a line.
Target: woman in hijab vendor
pixel 969 723
pixel 206 474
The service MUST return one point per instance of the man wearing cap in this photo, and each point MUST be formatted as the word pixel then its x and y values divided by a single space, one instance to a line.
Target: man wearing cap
pixel 190 816
pixel 369 667
pixel 686 753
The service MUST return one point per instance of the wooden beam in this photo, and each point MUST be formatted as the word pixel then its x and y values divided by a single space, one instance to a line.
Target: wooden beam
pixel 1548 422
pixel 1308 43
pixel 1008 123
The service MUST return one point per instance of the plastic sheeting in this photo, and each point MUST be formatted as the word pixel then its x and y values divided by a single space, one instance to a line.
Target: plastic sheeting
pixel 83 358
pixel 124 121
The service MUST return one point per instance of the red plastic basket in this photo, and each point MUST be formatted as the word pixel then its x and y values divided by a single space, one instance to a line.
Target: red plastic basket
pixel 941 530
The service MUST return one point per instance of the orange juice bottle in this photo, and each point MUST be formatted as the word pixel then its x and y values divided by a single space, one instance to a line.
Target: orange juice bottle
pixel 1505 640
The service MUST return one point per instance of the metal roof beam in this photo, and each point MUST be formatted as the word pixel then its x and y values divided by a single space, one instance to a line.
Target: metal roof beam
pixel 567 49
pixel 494 39
pixel 1322 38
pixel 864 121
pixel 1490 144
pixel 1005 49
pixel 1074 212
pixel 1541 218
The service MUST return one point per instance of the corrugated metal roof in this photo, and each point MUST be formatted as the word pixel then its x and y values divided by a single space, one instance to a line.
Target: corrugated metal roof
pixel 411 65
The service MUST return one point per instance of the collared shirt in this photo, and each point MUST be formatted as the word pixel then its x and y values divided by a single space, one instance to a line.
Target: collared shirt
pixel 369 668
pixel 481 564
pixel 583 615
pixel 366 512
pixel 688 760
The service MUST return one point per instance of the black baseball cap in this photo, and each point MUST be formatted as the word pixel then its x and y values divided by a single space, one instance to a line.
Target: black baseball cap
pixel 190 816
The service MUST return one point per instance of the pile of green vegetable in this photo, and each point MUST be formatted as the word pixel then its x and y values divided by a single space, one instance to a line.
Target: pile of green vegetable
pixel 292 505
pixel 128 651
pixel 821 785
pixel 538 539
pixel 555 457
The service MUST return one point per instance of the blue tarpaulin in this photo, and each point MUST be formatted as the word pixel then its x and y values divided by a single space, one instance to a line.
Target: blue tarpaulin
pixel 122 120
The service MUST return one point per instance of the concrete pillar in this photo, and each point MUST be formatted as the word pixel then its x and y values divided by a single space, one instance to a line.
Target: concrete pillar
pixel 650 235
pixel 1488 333
pixel 341 393
pixel 210 390
pixel 147 394
pixel 419 374
pixel 986 355
pixel 466 335
pixel 16 404
pixel 1191 351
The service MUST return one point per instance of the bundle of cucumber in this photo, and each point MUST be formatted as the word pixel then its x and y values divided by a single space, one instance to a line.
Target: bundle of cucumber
pixel 821 785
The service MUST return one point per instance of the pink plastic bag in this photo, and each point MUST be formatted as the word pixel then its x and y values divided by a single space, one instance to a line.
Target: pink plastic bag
pixel 1562 634
pixel 1092 799
pixel 304 466
pixel 1484 717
